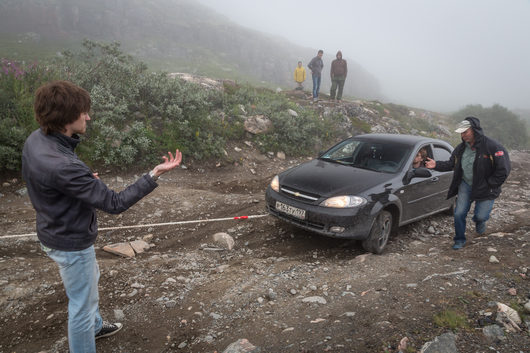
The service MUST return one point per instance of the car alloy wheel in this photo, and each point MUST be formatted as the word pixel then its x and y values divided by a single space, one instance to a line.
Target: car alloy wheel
pixel 379 234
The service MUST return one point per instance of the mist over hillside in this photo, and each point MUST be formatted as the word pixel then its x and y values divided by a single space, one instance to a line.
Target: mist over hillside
pixel 173 35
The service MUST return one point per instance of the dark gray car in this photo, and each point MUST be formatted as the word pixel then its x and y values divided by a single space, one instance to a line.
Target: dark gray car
pixel 363 188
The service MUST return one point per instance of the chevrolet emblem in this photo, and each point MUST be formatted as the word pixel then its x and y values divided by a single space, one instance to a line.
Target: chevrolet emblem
pixel 297 194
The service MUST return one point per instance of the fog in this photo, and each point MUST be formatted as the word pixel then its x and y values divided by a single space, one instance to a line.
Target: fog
pixel 434 54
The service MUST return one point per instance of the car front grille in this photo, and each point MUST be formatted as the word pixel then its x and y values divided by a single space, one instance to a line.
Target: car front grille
pixel 299 195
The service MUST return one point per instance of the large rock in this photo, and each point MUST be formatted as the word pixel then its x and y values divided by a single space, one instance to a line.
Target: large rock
pixel 258 124
pixel 139 246
pixel 445 343
pixel 121 249
pixel 494 333
pixel 242 345
pixel 508 317
pixel 315 299
pixel 224 240
pixel 199 80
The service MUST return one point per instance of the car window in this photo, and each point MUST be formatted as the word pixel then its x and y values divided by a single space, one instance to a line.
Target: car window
pixel 424 151
pixel 441 153
pixel 374 155
pixel 343 152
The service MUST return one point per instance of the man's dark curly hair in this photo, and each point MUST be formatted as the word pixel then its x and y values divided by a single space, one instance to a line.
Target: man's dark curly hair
pixel 59 103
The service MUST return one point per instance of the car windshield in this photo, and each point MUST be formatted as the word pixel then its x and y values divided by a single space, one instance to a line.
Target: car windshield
pixel 380 156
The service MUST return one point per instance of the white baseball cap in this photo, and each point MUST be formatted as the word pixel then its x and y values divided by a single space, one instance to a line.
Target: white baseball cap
pixel 463 126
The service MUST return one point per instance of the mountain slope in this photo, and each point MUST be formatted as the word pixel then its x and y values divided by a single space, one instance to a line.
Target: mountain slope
pixel 174 35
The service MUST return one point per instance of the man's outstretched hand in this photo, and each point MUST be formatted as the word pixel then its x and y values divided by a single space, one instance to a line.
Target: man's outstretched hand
pixel 169 163
pixel 430 163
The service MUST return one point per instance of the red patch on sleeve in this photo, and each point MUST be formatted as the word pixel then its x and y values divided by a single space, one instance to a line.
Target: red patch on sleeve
pixel 499 153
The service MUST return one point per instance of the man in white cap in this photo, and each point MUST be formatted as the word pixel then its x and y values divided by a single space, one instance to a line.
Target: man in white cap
pixel 481 165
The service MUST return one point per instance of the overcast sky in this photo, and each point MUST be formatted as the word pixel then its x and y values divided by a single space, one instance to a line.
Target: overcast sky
pixel 435 54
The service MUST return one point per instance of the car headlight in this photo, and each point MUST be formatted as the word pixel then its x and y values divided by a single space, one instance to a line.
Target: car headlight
pixel 343 202
pixel 275 184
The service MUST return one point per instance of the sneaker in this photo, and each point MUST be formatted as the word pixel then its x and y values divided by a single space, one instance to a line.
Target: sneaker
pixel 459 244
pixel 108 329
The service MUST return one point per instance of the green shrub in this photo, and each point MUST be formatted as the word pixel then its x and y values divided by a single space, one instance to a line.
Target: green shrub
pixel 300 135
pixel 138 115
pixel 11 140
pixel 451 319
pixel 18 82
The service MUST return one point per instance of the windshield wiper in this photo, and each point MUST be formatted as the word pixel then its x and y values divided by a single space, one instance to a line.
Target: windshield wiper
pixel 364 167
pixel 327 159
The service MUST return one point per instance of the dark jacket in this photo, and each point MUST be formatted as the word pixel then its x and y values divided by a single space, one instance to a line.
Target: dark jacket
pixel 316 65
pixel 339 67
pixel 490 169
pixel 65 193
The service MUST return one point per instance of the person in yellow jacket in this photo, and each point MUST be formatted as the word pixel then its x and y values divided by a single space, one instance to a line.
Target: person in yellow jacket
pixel 299 75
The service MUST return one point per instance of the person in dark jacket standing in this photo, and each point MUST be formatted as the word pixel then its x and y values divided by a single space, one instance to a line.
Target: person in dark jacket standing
pixel 316 65
pixel 65 194
pixel 481 165
pixel 339 71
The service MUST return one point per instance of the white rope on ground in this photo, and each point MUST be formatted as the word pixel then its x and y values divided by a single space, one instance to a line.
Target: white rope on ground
pixel 151 225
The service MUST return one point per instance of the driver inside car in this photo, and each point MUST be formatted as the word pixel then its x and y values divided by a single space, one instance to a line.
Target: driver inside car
pixel 419 160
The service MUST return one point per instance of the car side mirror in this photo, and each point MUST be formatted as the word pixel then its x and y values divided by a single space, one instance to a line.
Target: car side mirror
pixel 422 172
pixel 416 173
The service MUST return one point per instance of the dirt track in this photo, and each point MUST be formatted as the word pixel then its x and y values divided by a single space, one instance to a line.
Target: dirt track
pixel 182 296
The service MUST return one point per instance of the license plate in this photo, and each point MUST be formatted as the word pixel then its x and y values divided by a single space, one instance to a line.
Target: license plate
pixel 290 210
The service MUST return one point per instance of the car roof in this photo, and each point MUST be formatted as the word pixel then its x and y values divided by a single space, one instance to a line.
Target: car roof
pixel 398 138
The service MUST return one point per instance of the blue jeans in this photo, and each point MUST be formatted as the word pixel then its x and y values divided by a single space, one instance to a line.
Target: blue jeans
pixel 316 85
pixel 463 204
pixel 80 274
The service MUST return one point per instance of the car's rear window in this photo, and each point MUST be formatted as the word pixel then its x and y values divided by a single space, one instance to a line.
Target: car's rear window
pixel 381 156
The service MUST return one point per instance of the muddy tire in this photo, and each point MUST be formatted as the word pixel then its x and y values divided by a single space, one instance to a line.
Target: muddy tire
pixel 379 234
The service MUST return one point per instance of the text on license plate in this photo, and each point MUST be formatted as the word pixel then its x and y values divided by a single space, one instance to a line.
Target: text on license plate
pixel 290 210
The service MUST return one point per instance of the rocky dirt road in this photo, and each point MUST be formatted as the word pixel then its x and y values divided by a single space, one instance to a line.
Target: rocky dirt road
pixel 281 288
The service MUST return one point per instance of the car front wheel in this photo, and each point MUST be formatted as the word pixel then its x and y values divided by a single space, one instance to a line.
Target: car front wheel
pixel 379 234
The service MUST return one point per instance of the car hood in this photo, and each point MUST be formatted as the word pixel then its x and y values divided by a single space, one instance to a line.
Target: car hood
pixel 332 179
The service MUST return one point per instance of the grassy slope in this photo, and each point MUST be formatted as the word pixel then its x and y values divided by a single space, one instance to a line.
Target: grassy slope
pixel 175 36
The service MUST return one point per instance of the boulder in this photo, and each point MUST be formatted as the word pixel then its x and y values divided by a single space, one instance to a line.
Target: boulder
pixel 494 333
pixel 121 249
pixel 445 343
pixel 224 240
pixel 258 124
pixel 139 246
pixel 242 345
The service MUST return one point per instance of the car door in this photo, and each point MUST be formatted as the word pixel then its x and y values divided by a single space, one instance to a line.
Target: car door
pixel 442 153
pixel 419 197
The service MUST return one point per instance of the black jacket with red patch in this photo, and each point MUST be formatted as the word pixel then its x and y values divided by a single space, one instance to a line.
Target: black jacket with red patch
pixel 490 169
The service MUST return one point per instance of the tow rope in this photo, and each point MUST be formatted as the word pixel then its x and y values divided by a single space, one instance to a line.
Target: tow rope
pixel 153 225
